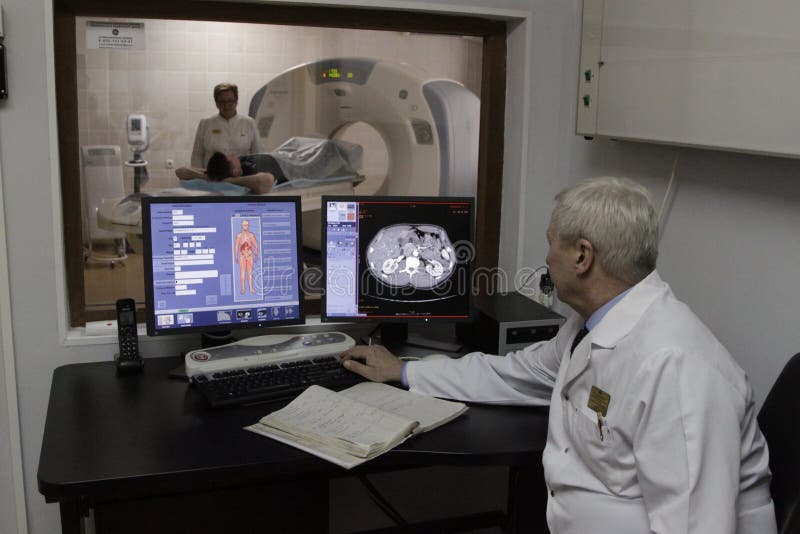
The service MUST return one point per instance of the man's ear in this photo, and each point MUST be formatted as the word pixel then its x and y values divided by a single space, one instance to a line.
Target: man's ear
pixel 585 256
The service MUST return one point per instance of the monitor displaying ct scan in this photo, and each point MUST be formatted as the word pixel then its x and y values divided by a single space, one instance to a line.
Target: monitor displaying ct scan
pixel 397 258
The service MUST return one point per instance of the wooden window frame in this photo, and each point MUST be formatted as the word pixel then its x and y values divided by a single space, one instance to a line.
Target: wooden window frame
pixel 492 97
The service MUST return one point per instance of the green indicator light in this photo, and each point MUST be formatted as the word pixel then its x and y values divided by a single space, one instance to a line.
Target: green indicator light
pixel 349 75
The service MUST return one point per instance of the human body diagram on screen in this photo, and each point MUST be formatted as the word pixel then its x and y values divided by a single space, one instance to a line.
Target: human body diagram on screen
pixel 246 257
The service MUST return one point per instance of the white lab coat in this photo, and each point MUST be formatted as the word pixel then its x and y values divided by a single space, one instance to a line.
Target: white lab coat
pixel 237 135
pixel 681 449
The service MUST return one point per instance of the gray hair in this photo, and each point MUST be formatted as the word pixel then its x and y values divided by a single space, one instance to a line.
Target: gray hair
pixel 617 217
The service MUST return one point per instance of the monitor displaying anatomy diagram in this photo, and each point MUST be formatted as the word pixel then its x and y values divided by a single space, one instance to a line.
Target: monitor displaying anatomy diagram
pixel 221 263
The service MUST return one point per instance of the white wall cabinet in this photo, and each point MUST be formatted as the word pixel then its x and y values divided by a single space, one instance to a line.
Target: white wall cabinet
pixel 718 74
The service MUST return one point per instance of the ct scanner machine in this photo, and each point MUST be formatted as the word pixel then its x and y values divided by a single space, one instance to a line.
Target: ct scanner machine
pixel 429 125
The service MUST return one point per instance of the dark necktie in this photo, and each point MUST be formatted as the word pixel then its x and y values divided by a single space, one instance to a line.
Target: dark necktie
pixel 578 337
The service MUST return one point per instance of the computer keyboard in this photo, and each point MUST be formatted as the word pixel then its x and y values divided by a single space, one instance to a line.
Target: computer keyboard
pixel 274 382
pixel 270 368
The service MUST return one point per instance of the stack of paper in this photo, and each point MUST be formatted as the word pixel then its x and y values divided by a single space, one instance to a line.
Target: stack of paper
pixel 357 424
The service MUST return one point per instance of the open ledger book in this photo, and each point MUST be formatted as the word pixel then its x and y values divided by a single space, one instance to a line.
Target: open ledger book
pixel 357 424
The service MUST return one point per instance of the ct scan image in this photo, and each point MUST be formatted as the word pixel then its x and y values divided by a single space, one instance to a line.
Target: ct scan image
pixel 411 255
pixel 408 258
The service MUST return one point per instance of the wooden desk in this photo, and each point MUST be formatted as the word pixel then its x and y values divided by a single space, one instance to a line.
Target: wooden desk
pixel 149 446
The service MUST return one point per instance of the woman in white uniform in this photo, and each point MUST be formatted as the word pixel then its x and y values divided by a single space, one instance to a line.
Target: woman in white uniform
pixel 226 132
pixel 652 425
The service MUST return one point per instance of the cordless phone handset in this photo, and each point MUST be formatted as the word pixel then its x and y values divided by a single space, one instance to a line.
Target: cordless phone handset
pixel 128 359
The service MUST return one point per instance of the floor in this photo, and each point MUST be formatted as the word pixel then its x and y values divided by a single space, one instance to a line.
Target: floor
pixel 105 282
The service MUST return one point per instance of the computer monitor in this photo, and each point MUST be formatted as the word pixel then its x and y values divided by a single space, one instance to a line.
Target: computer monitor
pixel 214 264
pixel 397 260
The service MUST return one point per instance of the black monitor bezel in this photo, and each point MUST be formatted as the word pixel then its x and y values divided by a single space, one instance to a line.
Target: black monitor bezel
pixel 147 253
pixel 410 319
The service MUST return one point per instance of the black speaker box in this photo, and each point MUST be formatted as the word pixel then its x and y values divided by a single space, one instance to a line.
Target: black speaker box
pixel 507 322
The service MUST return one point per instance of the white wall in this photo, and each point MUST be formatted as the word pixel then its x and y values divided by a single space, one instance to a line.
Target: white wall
pixel 12 499
pixel 26 154
pixel 734 216
pixel 730 248
pixel 8 504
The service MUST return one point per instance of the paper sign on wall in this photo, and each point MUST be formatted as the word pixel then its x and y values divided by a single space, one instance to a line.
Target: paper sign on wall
pixel 125 35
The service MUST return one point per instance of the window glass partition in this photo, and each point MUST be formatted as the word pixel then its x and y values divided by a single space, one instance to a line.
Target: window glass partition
pixel 392 104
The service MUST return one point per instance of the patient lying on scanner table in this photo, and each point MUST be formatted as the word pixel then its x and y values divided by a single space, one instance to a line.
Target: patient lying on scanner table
pixel 296 166
pixel 228 168
pixel 299 162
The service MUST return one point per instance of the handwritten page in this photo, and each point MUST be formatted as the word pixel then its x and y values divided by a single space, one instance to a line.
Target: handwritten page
pixel 354 425
pixel 321 415
pixel 430 412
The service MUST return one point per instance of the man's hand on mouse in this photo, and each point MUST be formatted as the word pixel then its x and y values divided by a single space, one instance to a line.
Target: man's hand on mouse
pixel 373 362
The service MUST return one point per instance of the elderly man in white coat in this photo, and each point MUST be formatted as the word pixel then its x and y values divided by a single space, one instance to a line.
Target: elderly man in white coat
pixel 652 424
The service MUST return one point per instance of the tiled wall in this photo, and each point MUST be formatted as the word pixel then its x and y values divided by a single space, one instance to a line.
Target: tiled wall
pixel 171 80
